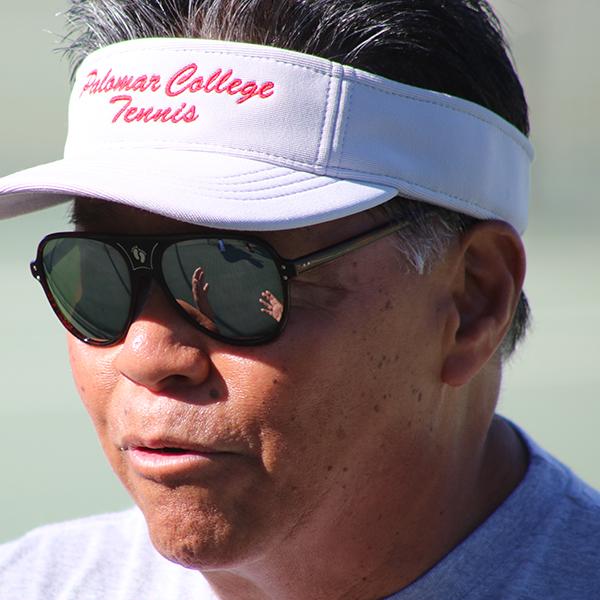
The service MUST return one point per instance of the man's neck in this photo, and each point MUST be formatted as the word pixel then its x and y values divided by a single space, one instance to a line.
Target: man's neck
pixel 382 542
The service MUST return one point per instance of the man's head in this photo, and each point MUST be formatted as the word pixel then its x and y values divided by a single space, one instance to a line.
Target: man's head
pixel 368 415
pixel 422 44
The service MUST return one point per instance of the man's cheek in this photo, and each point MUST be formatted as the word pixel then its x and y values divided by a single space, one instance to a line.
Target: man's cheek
pixel 94 376
pixel 91 366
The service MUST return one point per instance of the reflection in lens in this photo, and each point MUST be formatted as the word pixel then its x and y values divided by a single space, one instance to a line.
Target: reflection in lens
pixel 223 279
pixel 90 284
pixel 203 312
pixel 271 305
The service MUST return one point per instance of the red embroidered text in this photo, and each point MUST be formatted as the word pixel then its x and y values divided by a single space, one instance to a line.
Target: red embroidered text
pixel 132 114
pixel 123 83
pixel 219 82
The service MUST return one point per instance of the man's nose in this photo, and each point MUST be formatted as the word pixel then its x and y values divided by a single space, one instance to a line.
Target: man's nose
pixel 161 349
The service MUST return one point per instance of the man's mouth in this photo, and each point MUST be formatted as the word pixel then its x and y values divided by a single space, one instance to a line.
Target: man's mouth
pixel 167 450
pixel 171 461
pixel 168 445
pixel 170 451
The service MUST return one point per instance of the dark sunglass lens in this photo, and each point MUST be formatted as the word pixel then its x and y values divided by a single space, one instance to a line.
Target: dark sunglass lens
pixel 90 285
pixel 229 286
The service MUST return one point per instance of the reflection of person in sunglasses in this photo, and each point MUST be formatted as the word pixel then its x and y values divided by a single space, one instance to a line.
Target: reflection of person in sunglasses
pixel 352 450
pixel 270 305
pixel 204 313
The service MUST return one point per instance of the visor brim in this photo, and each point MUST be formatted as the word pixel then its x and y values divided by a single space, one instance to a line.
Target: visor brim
pixel 212 190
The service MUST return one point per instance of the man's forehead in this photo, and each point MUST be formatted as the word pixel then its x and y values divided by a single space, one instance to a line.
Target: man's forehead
pixel 96 215
pixel 100 216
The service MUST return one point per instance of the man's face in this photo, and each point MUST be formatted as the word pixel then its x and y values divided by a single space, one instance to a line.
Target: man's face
pixel 291 438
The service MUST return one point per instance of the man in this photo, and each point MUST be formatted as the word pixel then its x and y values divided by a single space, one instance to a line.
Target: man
pixel 295 275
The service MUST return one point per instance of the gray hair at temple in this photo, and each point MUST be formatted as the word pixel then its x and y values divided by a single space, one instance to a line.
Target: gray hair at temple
pixel 451 46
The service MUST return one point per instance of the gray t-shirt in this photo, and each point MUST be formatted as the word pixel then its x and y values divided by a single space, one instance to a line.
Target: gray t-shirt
pixel 543 543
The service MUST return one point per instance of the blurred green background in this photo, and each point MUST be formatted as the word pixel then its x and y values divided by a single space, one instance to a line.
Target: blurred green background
pixel 51 466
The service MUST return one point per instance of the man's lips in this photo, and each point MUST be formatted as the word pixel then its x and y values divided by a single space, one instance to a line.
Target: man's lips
pixel 166 450
pixel 174 443
pixel 169 459
pixel 168 445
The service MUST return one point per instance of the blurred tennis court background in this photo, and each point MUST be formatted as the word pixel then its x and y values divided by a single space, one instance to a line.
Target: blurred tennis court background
pixel 51 466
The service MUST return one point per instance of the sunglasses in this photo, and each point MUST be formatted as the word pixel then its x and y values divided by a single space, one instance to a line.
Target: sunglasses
pixel 235 288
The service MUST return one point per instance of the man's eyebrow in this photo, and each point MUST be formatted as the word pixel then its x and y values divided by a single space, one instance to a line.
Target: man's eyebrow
pixel 85 212
pixel 92 213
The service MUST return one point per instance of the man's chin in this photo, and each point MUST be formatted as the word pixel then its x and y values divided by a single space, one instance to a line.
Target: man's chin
pixel 200 536
pixel 194 547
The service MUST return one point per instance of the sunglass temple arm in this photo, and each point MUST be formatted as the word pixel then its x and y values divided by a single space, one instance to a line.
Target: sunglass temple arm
pixel 310 261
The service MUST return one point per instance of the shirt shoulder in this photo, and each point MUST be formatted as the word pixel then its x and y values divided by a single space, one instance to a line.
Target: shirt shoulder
pixel 548 536
pixel 543 541
pixel 105 556
pixel 561 555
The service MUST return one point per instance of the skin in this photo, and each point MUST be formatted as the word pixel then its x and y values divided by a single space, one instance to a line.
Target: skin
pixel 361 444
pixel 202 312
pixel 271 306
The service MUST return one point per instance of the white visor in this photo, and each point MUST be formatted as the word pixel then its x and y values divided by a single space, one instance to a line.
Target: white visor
pixel 239 136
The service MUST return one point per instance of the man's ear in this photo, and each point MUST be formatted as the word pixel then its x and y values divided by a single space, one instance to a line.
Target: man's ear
pixel 488 277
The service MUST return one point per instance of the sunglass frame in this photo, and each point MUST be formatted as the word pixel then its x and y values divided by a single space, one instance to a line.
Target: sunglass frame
pixel 141 275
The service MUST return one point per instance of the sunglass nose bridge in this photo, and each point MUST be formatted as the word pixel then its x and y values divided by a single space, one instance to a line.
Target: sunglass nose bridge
pixel 139 256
